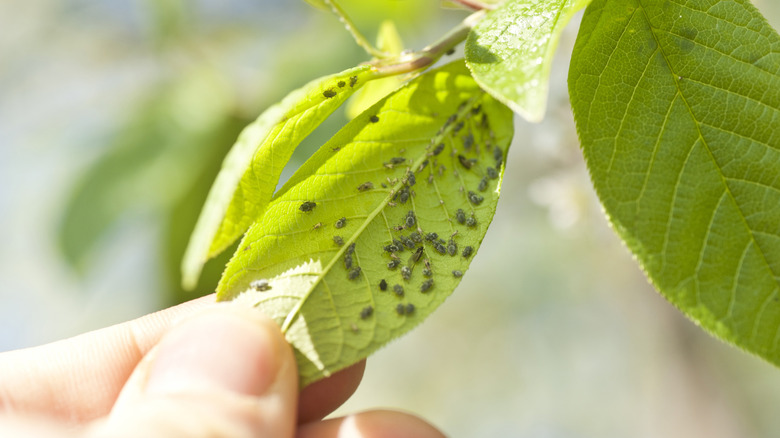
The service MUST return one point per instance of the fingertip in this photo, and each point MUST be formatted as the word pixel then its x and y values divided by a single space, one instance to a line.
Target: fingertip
pixel 325 396
pixel 371 424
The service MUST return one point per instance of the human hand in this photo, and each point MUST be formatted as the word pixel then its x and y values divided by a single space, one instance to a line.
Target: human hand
pixel 222 371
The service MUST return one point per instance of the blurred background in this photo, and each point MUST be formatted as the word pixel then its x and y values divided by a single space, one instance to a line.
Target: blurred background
pixel 114 118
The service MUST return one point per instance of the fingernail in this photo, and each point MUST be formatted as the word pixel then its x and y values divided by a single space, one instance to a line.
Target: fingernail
pixel 223 349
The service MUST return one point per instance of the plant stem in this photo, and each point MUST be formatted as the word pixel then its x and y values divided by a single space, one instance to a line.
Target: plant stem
pixel 475 4
pixel 409 62
pixel 359 38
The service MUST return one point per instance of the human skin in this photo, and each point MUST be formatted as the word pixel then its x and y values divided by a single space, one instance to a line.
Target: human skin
pixel 194 370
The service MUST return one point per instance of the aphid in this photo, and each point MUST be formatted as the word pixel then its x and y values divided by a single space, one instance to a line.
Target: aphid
pixel 338 240
pixel 398 228
pixel 468 163
pixel 457 127
pixel 354 273
pixel 437 150
pixel 397 160
pixel 411 219
pixel 260 285
pixel 451 119
pixel 316 226
pixel 409 309
pixel 460 216
pixel 449 52
pixel 368 185
pixel 416 255
pixel 341 84
pixel 406 273
pixel 398 290
pixel 382 285
pixel 452 247
pixel 392 264
pixel 476 109
pixel 471 222
pixel 336 149
pixel 431 237
pixel 457 273
pixel 427 272
pixel 373 119
pixel 400 309
pixel 366 312
pixel 351 248
pixel 483 184
pixel 426 285
pixel 467 251
pixel 423 166
pixel 308 206
pixel 498 155
pixel 492 173
pixel 475 198
pixel 408 243
pixel 329 93
pixel 340 223
pixel 403 196
pixel 430 178
pixel 352 81
pixel 440 248
pixel 391 204
pixel 468 141
pixel 348 261
pixel 399 244
pixel 384 186
pixel 411 179
pixel 415 237
pixel 392 248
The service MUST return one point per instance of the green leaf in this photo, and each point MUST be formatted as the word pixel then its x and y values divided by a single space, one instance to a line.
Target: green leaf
pixel 388 41
pixel 252 168
pixel 319 4
pixel 354 177
pixel 511 50
pixel 677 105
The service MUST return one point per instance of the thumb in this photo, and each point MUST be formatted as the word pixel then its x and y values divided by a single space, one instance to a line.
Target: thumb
pixel 226 371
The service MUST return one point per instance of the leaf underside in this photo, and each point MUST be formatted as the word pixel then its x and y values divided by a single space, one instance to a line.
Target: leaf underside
pixel 677 105
pixel 446 132
pixel 510 51
pixel 253 166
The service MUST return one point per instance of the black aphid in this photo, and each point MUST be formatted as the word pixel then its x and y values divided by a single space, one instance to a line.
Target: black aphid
pixel 426 285
pixel 352 81
pixel 329 93
pixel 457 127
pixel 475 198
pixel 398 290
pixel 417 255
pixel 399 244
pixel 471 222
pixel 451 119
pixel 373 119
pixel 338 240
pixel 452 247
pixel 411 219
pixel 427 272
pixel 431 237
pixel 457 273
pixel 449 52
pixel 498 155
pixel 350 248
pixel 366 312
pixel 437 150
pixel 340 223
pixel 392 248
pixel 467 251
pixel 382 285
pixel 400 309
pixel 476 109
pixel 260 285
pixel 368 185
pixel 397 160
pixel 408 243
pixel 354 273
pixel 308 206
pixel 341 84
pixel 483 184
pixel 440 248
pixel 348 261
pixel 415 237
pixel 392 264
pixel 384 186
pixel 468 163
pixel 468 141
pixel 411 179
pixel 409 309
pixel 406 273
pixel 423 165
pixel 403 195
pixel 492 173
pixel 460 216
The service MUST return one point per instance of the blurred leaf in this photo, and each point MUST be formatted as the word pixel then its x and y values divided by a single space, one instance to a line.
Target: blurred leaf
pixel 511 50
pixel 388 41
pixel 427 159
pixel 319 4
pixel 678 106
pixel 252 168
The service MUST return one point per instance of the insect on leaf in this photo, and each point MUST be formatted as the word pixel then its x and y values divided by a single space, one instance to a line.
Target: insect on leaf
pixel 511 50
pixel 394 253
pixel 252 168
pixel 677 105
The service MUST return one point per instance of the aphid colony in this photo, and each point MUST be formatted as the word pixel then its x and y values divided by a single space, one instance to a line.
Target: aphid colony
pixel 421 244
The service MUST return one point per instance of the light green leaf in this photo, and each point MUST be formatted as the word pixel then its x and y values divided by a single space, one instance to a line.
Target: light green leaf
pixel 252 168
pixel 354 177
pixel 319 4
pixel 677 105
pixel 388 41
pixel 511 50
